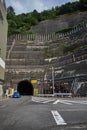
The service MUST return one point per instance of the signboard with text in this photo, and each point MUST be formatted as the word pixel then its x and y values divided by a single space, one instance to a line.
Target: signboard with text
pixel 34 81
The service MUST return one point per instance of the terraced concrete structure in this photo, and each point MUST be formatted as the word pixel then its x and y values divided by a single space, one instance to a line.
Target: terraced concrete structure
pixel 3 41
pixel 29 58
pixel 24 61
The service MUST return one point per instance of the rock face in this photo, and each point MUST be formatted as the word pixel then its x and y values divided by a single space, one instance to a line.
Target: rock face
pixel 62 22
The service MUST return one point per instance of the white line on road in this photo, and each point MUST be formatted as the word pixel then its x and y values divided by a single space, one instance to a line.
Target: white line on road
pixel 42 100
pixel 48 101
pixel 59 120
pixel 62 101
pixel 79 102
pixel 35 100
pixel 56 101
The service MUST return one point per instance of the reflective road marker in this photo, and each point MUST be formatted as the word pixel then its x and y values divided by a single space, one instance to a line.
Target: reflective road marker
pixel 59 120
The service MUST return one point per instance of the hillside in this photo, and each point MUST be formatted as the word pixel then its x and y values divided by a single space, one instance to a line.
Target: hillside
pixel 60 43
pixel 60 23
pixel 22 23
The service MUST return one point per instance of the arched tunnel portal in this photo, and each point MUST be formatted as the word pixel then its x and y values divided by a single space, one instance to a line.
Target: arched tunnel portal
pixel 24 87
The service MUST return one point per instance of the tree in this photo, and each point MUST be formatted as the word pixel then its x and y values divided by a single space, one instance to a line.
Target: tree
pixel 36 15
pixel 22 23
pixel 10 13
pixel 11 20
pixel 83 4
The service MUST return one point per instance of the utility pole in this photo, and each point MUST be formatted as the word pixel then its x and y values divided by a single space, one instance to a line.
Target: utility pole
pixel 53 79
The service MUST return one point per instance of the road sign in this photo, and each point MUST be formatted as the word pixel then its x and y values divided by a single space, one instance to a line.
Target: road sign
pixel 34 81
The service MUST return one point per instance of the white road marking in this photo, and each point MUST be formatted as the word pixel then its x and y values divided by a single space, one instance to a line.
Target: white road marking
pixel 56 101
pixel 59 120
pixel 39 99
pixel 62 101
pixel 79 102
pixel 48 101
pixel 35 100
pixel 42 100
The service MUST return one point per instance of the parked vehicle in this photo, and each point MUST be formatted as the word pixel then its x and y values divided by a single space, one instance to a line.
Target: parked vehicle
pixel 16 95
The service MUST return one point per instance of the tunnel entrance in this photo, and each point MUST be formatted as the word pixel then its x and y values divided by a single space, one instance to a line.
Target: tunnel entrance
pixel 25 88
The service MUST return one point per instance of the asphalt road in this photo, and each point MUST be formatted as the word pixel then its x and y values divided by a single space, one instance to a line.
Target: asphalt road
pixel 37 113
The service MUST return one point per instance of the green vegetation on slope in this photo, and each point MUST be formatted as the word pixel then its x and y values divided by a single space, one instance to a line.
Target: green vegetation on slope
pixel 22 23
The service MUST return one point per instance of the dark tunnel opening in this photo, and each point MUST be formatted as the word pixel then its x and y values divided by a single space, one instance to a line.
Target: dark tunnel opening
pixel 25 88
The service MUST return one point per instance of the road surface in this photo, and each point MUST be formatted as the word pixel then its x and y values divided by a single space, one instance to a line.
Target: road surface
pixel 43 113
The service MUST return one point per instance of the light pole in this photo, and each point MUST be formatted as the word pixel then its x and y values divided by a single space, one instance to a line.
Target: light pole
pixel 53 79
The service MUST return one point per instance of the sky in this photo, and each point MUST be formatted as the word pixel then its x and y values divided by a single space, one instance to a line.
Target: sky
pixel 26 6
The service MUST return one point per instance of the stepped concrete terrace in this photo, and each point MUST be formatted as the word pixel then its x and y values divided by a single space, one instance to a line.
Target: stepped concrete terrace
pixel 27 59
